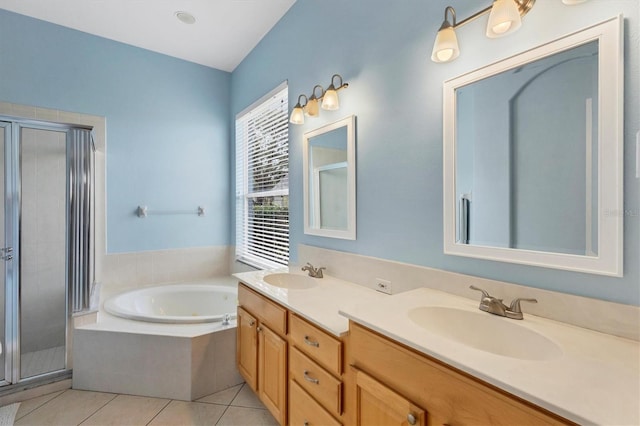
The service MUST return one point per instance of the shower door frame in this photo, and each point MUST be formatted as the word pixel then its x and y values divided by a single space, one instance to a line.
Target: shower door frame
pixel 13 225
pixel 11 273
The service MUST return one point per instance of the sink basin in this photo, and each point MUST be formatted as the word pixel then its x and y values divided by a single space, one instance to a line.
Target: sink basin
pixel 290 281
pixel 486 332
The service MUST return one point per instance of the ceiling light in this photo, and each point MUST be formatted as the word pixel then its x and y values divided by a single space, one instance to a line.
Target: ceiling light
pixel 573 2
pixel 185 17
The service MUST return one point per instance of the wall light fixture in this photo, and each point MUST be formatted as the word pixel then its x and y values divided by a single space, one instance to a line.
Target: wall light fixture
pixel 328 100
pixel 505 17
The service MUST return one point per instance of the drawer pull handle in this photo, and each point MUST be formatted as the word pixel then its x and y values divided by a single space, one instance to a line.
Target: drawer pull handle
pixel 411 419
pixel 310 379
pixel 311 342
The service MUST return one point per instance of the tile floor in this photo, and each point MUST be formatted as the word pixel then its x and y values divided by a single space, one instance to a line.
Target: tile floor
pixel 234 406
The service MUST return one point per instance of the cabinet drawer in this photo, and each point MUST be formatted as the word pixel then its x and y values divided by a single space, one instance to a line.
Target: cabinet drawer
pixel 275 316
pixel 321 385
pixel 305 411
pixel 319 345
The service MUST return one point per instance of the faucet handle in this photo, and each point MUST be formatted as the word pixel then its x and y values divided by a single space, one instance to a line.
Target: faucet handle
pixel 515 304
pixel 484 293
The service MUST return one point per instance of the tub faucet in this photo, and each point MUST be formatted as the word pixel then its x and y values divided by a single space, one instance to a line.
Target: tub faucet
pixel 313 272
pixel 225 319
pixel 495 306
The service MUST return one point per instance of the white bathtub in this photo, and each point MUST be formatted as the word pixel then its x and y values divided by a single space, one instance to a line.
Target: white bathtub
pixel 176 304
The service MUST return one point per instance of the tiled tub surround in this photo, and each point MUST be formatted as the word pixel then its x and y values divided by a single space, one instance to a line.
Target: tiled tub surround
pixel 133 270
pixel 595 380
pixel 177 361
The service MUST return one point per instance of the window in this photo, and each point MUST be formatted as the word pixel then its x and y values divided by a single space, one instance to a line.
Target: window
pixel 262 181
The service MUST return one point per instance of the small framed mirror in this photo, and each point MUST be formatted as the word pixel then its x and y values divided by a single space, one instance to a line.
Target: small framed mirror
pixel 533 156
pixel 330 180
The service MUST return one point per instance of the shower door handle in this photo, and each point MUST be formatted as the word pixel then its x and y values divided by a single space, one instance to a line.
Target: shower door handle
pixel 5 253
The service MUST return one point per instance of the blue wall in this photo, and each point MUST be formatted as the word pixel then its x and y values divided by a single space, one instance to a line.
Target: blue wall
pixel 167 126
pixel 169 121
pixel 382 49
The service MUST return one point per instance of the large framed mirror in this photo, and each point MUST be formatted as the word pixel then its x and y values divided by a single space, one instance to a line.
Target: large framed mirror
pixel 533 166
pixel 330 180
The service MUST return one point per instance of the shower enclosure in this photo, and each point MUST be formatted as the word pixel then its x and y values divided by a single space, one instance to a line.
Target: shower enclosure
pixel 45 244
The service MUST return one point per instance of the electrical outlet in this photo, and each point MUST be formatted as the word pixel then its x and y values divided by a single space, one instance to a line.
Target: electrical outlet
pixel 383 286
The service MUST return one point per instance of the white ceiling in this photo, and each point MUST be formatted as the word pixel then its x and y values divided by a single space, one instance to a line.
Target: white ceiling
pixel 224 33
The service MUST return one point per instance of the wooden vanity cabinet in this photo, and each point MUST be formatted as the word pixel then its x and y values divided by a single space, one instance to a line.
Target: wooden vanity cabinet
pixel 315 374
pixel 261 351
pixel 391 381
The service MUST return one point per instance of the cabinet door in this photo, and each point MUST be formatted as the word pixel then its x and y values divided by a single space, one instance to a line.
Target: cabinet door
pixel 379 405
pixel 272 371
pixel 247 348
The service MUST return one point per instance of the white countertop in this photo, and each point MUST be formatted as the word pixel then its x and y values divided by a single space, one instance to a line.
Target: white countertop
pixel 320 304
pixel 596 379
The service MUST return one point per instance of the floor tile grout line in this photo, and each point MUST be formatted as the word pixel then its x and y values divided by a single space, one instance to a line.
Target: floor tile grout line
pixel 229 404
pixel 222 415
pixel 160 411
pixel 103 405
pixel 236 395
pixel 43 404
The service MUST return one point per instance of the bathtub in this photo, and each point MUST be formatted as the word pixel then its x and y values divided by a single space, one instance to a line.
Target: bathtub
pixel 191 303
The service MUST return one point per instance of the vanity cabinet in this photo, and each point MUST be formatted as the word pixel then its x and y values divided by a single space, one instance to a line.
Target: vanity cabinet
pixel 399 384
pixel 261 352
pixel 315 367
pixel 294 367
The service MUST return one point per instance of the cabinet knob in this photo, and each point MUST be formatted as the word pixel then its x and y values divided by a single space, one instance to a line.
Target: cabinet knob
pixel 306 423
pixel 411 419
pixel 259 329
pixel 252 323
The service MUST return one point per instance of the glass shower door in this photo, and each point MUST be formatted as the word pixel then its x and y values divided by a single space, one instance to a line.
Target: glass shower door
pixel 43 296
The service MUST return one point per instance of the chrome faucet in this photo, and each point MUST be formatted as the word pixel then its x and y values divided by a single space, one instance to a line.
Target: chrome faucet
pixel 495 306
pixel 313 272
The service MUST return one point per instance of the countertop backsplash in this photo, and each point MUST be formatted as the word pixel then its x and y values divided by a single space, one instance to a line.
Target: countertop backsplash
pixel 598 315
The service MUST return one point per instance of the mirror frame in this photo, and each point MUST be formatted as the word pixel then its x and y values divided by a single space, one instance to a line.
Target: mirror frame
pixel 350 232
pixel 609 260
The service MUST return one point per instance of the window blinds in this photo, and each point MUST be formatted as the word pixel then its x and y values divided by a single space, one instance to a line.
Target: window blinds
pixel 262 181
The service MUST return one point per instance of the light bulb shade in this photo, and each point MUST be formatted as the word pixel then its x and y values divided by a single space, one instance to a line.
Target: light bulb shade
pixel 297 115
pixel 312 109
pixel 445 48
pixel 503 19
pixel 330 100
